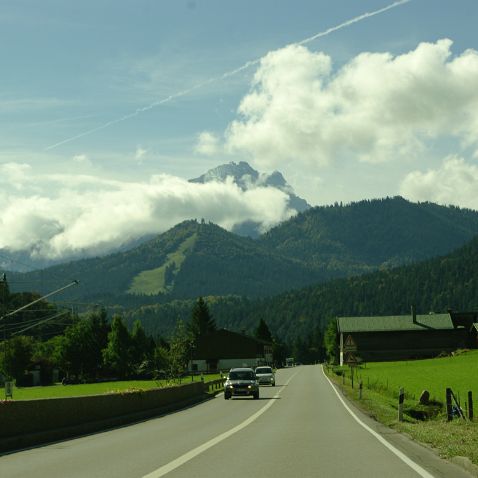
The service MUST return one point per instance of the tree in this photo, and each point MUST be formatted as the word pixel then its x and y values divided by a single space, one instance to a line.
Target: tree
pixel 80 349
pixel 17 356
pixel 179 350
pixel 117 355
pixel 279 353
pixel 202 321
pixel 330 342
pixel 262 332
pixel 142 348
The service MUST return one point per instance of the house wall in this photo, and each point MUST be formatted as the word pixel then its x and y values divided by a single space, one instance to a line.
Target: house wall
pixel 404 345
pixel 227 364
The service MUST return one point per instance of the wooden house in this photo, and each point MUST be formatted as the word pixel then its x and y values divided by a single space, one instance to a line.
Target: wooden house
pixel 404 337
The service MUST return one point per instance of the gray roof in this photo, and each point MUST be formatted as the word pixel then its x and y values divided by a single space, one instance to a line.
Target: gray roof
pixel 394 323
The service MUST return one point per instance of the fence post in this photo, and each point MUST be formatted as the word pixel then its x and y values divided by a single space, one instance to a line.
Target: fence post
pixel 360 389
pixel 470 405
pixel 401 398
pixel 449 414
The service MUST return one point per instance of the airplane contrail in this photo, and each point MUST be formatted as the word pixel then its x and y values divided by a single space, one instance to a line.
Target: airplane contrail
pixel 225 75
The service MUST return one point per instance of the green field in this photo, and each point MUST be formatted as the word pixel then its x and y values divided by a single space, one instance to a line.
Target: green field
pixel 381 382
pixel 58 390
pixel 457 372
pixel 153 281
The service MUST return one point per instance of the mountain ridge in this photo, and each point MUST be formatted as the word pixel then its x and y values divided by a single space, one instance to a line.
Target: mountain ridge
pixel 318 245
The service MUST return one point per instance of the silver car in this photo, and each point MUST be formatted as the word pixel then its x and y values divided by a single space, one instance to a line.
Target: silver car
pixel 265 376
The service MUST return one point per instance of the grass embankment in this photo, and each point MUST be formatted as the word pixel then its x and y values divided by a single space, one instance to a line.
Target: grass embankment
pixel 58 390
pixel 152 282
pixel 381 384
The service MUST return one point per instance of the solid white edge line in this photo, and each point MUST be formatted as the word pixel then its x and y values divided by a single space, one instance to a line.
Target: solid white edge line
pixel 172 465
pixel 414 466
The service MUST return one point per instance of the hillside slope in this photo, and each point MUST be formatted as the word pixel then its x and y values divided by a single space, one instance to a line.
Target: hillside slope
pixel 433 285
pixel 373 234
pixel 189 260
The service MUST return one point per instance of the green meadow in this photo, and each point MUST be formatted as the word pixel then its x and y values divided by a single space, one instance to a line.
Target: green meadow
pixel 152 282
pixel 82 389
pixel 379 399
pixel 459 372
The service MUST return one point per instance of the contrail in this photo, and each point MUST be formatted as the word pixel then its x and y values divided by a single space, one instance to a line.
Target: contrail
pixel 228 74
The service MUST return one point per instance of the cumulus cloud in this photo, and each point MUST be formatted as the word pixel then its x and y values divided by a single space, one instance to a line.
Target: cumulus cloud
pixel 207 143
pixel 375 108
pixel 62 216
pixel 454 182
pixel 14 174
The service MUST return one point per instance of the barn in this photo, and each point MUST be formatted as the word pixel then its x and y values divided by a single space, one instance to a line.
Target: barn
pixel 224 349
pixel 404 337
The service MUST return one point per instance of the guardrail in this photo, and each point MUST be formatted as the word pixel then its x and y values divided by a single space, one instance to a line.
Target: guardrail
pixel 214 386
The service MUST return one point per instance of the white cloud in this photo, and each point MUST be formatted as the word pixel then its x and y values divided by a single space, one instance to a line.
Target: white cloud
pixel 60 216
pixel 377 107
pixel 207 143
pixel 14 173
pixel 82 159
pixel 140 152
pixel 454 182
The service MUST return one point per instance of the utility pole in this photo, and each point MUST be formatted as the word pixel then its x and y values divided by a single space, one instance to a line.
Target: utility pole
pixel 9 314
pixel 3 309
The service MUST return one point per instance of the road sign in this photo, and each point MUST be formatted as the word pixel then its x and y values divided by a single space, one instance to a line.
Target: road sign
pixel 351 359
pixel 349 344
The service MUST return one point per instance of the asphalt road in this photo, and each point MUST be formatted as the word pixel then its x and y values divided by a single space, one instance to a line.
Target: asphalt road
pixel 300 428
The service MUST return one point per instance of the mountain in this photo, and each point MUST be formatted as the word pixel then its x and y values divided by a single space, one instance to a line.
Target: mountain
pixel 189 260
pixel 317 245
pixel 433 286
pixel 247 178
pixel 366 235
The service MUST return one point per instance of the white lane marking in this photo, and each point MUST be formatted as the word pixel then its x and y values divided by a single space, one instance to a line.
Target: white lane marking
pixel 172 465
pixel 414 466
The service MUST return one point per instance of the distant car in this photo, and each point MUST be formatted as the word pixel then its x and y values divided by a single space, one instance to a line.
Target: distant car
pixel 241 382
pixel 265 376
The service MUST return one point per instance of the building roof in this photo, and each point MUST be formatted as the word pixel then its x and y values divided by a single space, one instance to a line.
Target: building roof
pixel 393 323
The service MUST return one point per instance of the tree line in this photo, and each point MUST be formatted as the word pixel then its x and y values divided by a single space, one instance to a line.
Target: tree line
pixel 91 347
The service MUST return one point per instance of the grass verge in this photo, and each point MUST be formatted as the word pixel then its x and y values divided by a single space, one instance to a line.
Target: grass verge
pixel 448 439
pixel 58 390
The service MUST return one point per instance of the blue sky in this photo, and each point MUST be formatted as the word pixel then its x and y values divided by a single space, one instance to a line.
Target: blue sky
pixel 71 71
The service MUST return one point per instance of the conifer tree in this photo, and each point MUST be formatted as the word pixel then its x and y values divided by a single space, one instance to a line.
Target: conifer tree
pixel 202 321
pixel 262 332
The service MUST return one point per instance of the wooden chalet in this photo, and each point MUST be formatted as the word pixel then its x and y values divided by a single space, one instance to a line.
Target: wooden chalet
pixel 404 337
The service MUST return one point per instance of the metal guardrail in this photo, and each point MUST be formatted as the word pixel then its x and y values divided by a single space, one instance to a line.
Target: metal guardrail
pixel 214 386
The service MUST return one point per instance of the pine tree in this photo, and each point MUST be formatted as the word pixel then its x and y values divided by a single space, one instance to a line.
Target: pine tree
pixel 262 332
pixel 202 321
pixel 117 354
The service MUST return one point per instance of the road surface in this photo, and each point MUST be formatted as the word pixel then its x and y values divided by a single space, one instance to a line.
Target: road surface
pixel 300 428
